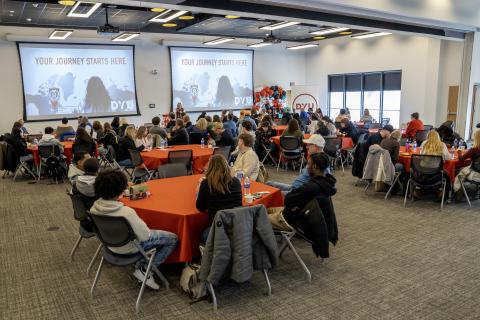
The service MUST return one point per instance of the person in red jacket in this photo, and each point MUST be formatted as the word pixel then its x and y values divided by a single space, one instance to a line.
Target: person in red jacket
pixel 413 126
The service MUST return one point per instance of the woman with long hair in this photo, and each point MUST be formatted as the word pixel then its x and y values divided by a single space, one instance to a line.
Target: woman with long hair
pixel 434 146
pixel 109 138
pixel 126 143
pixel 200 127
pixel 218 190
pixel 83 142
pixel 142 138
pixel 472 172
pixel 293 130
pixel 97 130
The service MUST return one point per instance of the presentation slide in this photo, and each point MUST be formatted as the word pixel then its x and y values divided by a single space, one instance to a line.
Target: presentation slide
pixel 68 80
pixel 211 79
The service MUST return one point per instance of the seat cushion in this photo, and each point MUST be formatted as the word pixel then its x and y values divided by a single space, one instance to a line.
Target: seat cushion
pixel 121 260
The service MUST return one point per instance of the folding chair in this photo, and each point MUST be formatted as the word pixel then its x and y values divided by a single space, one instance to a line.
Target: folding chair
pixel 333 148
pixel 171 170
pixel 268 155
pixel 181 156
pixel 475 166
pixel 224 151
pixel 287 242
pixel 421 136
pixel 44 152
pixel 117 232
pixel 426 172
pixel 22 167
pixel 140 170
pixel 80 214
pixel 395 181
pixel 291 150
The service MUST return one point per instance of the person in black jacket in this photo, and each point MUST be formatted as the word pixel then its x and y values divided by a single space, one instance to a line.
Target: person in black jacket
pixel 225 136
pixel 127 143
pixel 19 146
pixel 179 135
pixel 83 142
pixel 377 137
pixel 348 129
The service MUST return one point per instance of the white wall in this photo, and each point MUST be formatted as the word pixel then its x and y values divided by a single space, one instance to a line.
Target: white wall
pixel 272 66
pixel 417 57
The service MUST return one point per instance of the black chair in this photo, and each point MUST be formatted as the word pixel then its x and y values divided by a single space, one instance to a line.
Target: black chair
pixel 48 151
pixel 375 125
pixel 291 150
pixel 195 138
pixel 475 166
pixel 426 172
pixel 85 229
pixel 140 172
pixel 333 148
pixel 181 156
pixel 224 151
pixel 421 136
pixel 427 127
pixel 172 170
pixel 117 232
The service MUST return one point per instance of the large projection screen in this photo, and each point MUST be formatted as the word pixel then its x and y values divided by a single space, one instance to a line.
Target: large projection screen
pixel 205 79
pixel 69 80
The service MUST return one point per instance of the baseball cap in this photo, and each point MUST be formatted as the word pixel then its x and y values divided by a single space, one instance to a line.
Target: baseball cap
pixel 388 127
pixel 315 139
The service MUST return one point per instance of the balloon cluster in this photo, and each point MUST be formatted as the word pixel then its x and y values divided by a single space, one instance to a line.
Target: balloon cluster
pixel 274 95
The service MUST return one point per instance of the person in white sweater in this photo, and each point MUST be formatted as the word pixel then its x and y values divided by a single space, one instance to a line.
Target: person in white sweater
pixel 247 160
pixel 109 186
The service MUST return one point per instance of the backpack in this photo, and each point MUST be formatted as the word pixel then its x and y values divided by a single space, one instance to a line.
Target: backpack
pixel 191 284
pixel 55 168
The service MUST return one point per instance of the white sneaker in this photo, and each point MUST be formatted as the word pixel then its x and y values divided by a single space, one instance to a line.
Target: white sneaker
pixel 140 275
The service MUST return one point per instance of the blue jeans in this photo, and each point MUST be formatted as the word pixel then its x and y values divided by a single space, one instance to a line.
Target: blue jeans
pixel 399 167
pixel 285 188
pixel 164 241
pixel 125 163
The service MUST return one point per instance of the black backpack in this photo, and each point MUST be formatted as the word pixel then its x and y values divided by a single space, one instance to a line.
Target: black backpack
pixel 55 168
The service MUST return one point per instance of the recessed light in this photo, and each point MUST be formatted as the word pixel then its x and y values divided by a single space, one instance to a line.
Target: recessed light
pixel 126 36
pixel 303 46
pixel 279 25
pixel 60 34
pixel 67 2
pixel 371 35
pixel 228 16
pixel 328 31
pixel 157 9
pixel 11 11
pixel 319 37
pixel 167 16
pixel 259 44
pixel 186 17
pixel 29 19
pixel 169 25
pixel 219 41
pixel 94 6
pixel 345 33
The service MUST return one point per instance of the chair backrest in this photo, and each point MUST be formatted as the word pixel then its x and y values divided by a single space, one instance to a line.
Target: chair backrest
pixel 427 127
pixel 136 157
pixel 46 151
pixel 31 137
pixel 476 163
pixel 421 135
pixel 195 137
pixel 111 155
pixel 290 143
pixel 385 121
pixel 181 156
pixel 112 231
pixel 426 164
pixel 332 145
pixel 79 207
pixel 224 151
pixel 66 136
pixel 374 126
pixel 156 139
pixel 172 170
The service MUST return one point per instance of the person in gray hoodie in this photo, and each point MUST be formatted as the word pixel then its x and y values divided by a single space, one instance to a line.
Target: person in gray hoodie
pixel 84 183
pixel 48 139
pixel 109 186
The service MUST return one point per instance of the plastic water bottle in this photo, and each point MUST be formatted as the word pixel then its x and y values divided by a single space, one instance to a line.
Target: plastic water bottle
pixel 414 146
pixel 452 152
pixel 455 143
pixel 239 175
pixel 246 186
pixel 166 143
pixel 35 141
pixel 202 143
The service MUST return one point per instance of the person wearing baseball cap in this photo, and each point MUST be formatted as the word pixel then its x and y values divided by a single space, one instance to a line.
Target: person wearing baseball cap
pixel 377 138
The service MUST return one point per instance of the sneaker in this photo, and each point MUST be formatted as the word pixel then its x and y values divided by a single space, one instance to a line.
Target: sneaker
pixel 140 275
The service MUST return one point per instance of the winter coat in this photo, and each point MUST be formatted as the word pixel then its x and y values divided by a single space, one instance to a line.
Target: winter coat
pixel 359 156
pixel 378 166
pixel 240 240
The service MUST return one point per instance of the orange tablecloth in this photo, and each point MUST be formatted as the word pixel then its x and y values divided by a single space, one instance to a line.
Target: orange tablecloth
pixel 280 129
pixel 67 152
pixel 449 166
pixel 171 207
pixel 157 157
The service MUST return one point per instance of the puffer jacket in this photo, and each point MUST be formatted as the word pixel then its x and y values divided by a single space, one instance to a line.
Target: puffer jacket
pixel 378 166
pixel 240 240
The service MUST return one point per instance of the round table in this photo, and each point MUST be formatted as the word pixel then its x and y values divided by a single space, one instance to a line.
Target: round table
pixel 156 157
pixel 280 129
pixel 171 207
pixel 67 152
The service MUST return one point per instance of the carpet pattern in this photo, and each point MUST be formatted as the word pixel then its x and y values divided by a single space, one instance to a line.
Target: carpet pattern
pixel 390 263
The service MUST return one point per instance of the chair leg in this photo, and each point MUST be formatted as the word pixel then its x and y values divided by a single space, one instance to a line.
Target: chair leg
pixel 299 259
pixel 444 186
pixel 92 262
pixel 279 160
pixel 407 190
pixel 75 247
pixel 465 193
pixel 212 293
pixel 393 185
pixel 97 276
pixel 267 280
pixel 144 283
pixel 368 186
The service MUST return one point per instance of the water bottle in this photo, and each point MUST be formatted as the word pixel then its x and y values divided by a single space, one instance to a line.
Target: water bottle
pixel 202 143
pixel 166 144
pixel 239 175
pixel 455 143
pixel 246 186
pixel 162 144
pixel 415 146
pixel 35 141
pixel 452 152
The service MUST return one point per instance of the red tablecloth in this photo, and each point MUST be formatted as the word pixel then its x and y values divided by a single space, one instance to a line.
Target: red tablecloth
pixel 449 166
pixel 280 129
pixel 67 152
pixel 171 207
pixel 157 157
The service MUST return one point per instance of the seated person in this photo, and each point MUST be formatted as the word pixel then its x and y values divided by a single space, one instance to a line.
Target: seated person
pixel 156 129
pixel 342 115
pixel 19 146
pixel 469 173
pixel 127 143
pixel 76 167
pixel 84 184
pixel 413 126
pixel 377 137
pixel 348 129
pixel 179 135
pixel 84 123
pixel 247 160
pixel 314 124
pixel 231 125
pixel 187 123
pixel 218 190
pixel 301 124
pixel 123 127
pixel 263 135
pixel 22 126
pixel 142 138
pixel 225 137
pixel 109 186
pixel 48 139
pixel 110 137
pixel 84 142
pixel 332 130
pixel 171 122
pixel 293 130
pixel 366 116
pixel 433 146
pixel 392 145
pixel 200 127
pixel 246 127
pixel 64 129
pixel 448 134
pixel 98 132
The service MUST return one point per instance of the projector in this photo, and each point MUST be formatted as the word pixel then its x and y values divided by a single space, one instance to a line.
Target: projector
pixel 272 39
pixel 108 29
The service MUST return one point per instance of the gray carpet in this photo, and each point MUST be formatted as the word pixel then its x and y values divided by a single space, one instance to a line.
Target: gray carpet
pixel 390 263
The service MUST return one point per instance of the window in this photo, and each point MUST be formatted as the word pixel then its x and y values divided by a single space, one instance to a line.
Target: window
pixel 379 92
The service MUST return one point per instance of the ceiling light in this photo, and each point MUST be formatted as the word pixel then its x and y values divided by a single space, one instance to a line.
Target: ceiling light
pixel 67 2
pixel 328 31
pixel 29 19
pixel 126 36
pixel 371 35
pixel 169 25
pixel 228 16
pixel 11 11
pixel 72 13
pixel 60 34
pixel 303 46
pixel 219 41
pixel 345 33
pixel 259 44
pixel 187 17
pixel 167 16
pixel 157 9
pixel 319 37
pixel 279 25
